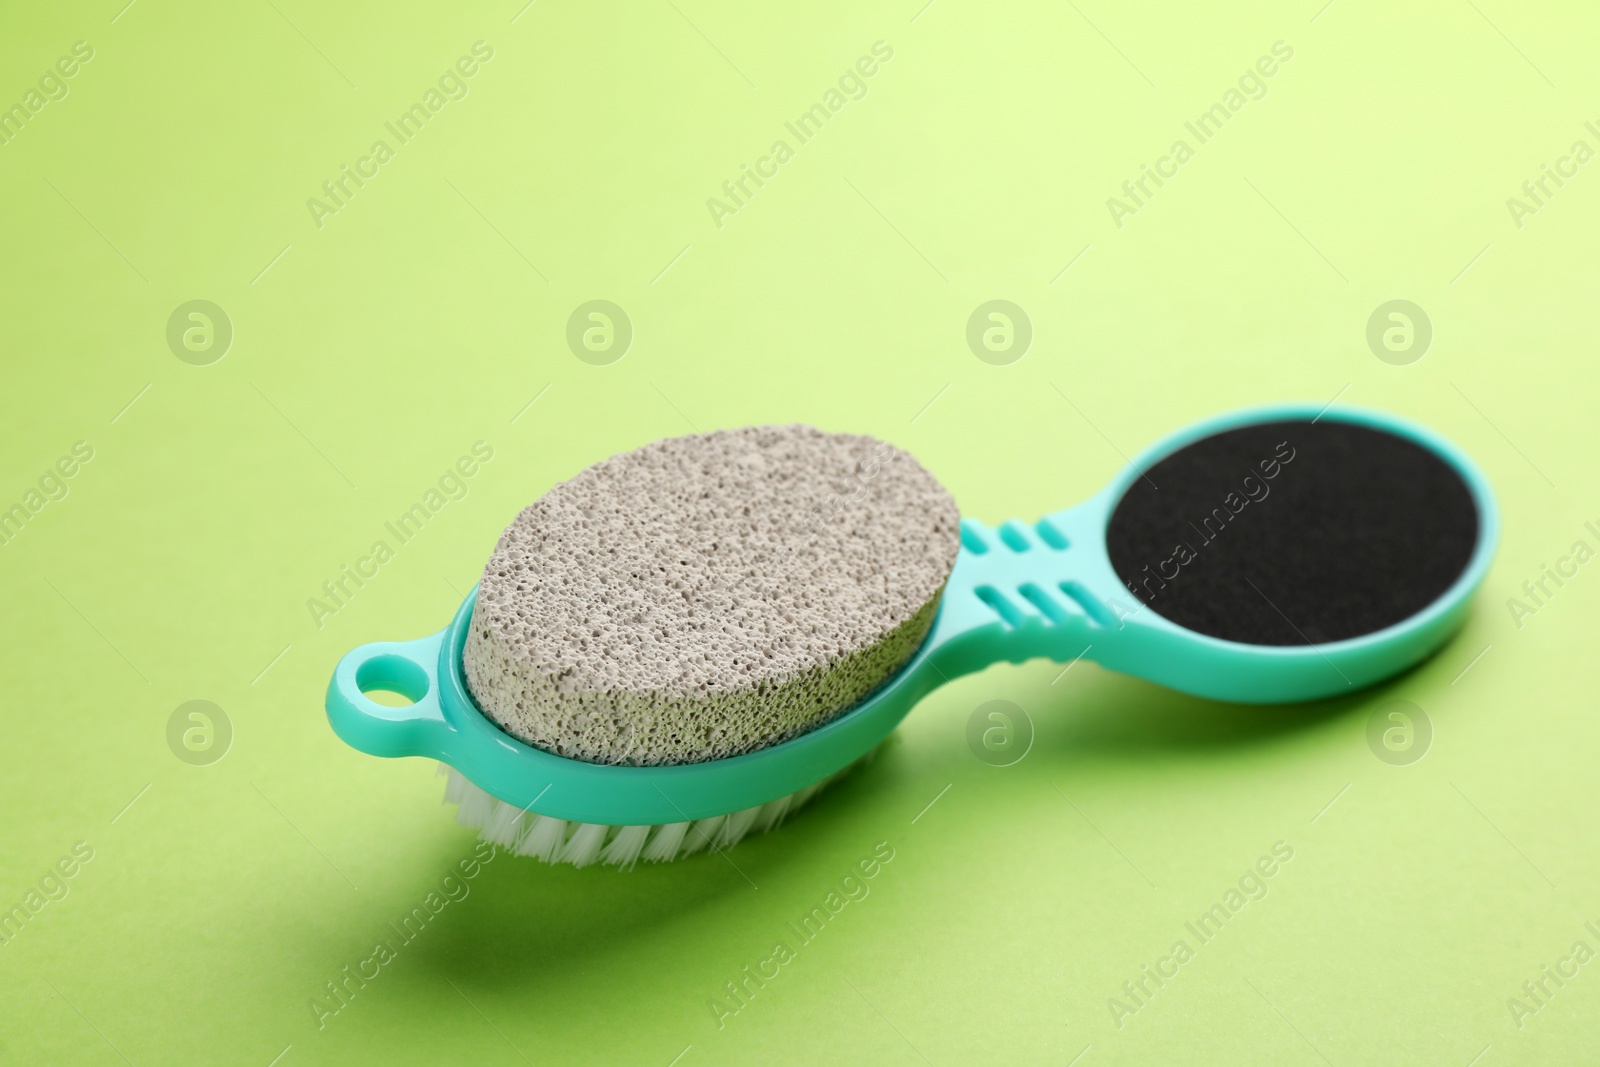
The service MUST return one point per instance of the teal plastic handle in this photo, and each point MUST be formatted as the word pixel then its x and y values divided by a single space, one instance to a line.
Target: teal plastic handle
pixel 1018 591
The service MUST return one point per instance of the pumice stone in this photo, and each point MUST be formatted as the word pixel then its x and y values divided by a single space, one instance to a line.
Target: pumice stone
pixel 709 595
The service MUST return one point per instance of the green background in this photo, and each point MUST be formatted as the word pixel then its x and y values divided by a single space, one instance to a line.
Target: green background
pixel 368 354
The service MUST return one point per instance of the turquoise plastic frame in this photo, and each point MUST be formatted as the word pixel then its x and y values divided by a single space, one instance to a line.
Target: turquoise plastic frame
pixel 1018 591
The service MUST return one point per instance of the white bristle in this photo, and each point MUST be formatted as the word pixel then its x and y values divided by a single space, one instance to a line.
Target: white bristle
pixel 583 847
pixel 701 834
pixel 543 839
pixel 527 833
pixel 455 786
pixel 476 807
pixel 736 827
pixel 801 796
pixel 663 847
pixel 505 825
pixel 624 849
pixel 772 813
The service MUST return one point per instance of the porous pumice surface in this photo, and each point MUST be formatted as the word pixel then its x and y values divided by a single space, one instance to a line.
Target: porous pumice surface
pixel 709 595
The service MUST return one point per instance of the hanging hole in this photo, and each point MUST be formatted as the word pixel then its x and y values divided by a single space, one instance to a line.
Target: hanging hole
pixel 393 681
pixel 388 698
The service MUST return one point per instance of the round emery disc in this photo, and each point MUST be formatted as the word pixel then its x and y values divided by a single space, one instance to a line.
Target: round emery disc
pixel 1294 532
pixel 709 595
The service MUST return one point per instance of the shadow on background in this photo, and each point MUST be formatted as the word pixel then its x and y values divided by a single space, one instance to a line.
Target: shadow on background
pixel 1092 709
pixel 528 924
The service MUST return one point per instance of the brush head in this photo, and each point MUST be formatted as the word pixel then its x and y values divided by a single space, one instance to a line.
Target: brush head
pixel 709 595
